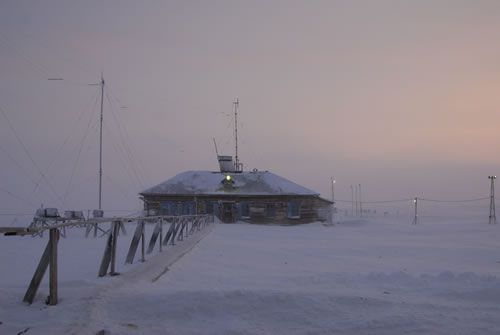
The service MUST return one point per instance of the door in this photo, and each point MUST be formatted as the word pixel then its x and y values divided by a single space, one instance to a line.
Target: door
pixel 228 212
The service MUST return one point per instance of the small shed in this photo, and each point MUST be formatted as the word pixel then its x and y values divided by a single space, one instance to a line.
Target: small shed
pixel 232 195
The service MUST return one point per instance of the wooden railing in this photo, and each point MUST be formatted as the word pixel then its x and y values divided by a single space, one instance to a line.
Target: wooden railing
pixel 179 228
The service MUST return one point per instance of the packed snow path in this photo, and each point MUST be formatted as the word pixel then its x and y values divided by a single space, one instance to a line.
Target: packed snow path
pixel 374 276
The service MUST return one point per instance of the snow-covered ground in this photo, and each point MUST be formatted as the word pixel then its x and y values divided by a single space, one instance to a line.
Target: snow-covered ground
pixel 360 276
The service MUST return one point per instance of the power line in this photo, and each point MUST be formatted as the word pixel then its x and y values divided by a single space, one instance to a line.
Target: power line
pixel 126 148
pixel 410 199
pixel 80 149
pixel 374 202
pixel 17 197
pixel 122 156
pixel 466 200
pixel 124 194
pixel 26 151
pixel 18 165
pixel 70 134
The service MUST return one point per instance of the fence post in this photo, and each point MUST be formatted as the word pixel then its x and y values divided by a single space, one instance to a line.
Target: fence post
pixel 53 239
pixel 115 231
pixel 161 233
pixel 143 259
pixel 109 256
pixel 134 243
pixel 49 258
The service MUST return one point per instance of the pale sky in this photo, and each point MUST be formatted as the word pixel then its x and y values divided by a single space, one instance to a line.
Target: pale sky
pixel 402 97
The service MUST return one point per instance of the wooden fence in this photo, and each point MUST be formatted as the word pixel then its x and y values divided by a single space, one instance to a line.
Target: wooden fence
pixel 179 228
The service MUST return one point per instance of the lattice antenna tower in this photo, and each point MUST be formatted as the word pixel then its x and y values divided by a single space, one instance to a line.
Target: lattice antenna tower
pixel 238 166
pixel 492 217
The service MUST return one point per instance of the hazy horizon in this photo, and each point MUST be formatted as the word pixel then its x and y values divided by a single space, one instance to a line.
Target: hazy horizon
pixel 401 97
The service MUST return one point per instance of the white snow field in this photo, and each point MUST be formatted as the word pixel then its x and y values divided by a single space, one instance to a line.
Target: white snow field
pixel 363 276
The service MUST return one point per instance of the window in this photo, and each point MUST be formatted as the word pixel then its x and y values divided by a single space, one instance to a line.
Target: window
pixel 168 208
pixel 244 210
pixel 209 207
pixel 293 210
pixel 270 210
pixel 177 208
pixel 188 208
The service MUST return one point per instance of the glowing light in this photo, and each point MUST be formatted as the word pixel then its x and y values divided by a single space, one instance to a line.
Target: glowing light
pixel 228 178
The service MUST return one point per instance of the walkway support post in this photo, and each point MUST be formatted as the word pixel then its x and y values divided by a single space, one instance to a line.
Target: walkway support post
pixel 49 257
pixel 53 239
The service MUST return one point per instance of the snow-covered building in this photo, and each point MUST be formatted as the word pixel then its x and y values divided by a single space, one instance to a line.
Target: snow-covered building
pixel 252 196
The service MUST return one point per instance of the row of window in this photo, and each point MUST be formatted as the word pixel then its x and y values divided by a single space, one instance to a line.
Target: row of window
pixel 212 207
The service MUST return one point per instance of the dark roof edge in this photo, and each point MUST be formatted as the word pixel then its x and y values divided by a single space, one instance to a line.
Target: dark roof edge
pixel 233 195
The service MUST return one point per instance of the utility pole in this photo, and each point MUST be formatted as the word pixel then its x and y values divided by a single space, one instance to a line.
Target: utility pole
pixel 100 143
pixel 493 217
pixel 360 203
pixel 333 191
pixel 236 159
pixel 415 203
pixel 352 201
pixel 333 194
pixel 356 197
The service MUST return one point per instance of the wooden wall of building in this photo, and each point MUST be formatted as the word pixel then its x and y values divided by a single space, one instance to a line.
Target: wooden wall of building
pixel 261 209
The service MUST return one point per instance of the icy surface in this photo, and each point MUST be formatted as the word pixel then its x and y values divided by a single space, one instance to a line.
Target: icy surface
pixel 363 276
pixel 251 183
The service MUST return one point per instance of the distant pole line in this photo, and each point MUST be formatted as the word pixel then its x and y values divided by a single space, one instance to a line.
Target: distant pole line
pixel 352 201
pixel 360 203
pixel 415 203
pixel 411 199
pixel 492 217
pixel 28 154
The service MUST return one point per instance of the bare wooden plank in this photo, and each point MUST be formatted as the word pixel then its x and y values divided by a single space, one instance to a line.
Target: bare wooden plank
pixel 161 233
pixel 10 231
pixel 181 233
pixel 143 238
pixel 134 243
pixel 154 237
pixel 193 227
pixel 114 231
pixel 38 276
pixel 169 233
pixel 53 240
pixel 174 233
pixel 122 228
pixel 106 257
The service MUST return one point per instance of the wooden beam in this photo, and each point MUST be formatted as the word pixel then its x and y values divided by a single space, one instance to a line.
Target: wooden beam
pixel 115 230
pixel 53 240
pixel 134 243
pixel 38 275
pixel 154 237
pixel 143 259
pixel 169 233
pixel 161 233
pixel 106 257
pixel 11 231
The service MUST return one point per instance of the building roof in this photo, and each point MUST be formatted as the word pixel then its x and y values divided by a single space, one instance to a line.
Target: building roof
pixel 244 183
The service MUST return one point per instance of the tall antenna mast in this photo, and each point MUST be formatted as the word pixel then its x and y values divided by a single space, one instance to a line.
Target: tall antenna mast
pixel 100 143
pixel 493 217
pixel 236 159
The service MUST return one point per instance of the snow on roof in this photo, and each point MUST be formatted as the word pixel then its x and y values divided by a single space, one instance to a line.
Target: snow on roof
pixel 245 183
